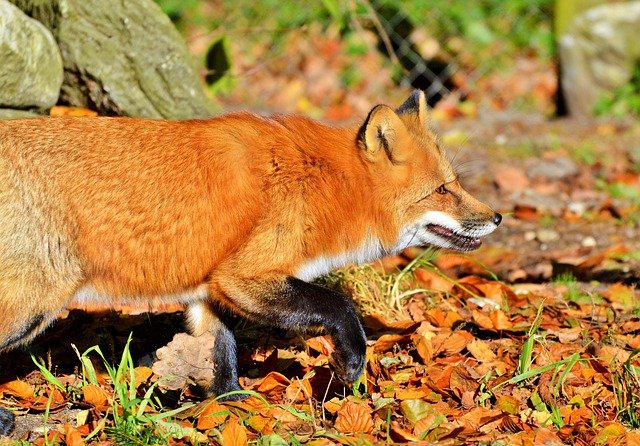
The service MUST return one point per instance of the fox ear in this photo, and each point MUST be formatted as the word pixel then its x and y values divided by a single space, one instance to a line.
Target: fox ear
pixel 415 105
pixel 383 133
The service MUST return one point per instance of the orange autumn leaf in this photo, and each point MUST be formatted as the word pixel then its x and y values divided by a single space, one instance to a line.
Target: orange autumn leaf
pixel 299 390
pixel 354 418
pixel 213 415
pixel 18 388
pixel 482 320
pixel 72 437
pixel 451 343
pixel 481 350
pixel 234 434
pixel 321 344
pixel 500 320
pixel 411 394
pixel 96 396
pixel 142 374
pixel 62 110
pixel 274 381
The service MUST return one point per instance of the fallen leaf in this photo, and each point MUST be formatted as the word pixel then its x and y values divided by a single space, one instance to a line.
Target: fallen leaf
pixel 481 350
pixel 511 179
pixel 321 344
pixel 234 434
pixel 63 110
pixel 608 433
pixel 185 359
pixel 299 390
pixel 213 415
pixel 72 437
pixel 142 374
pixel 96 396
pixel 354 418
pixel 500 320
pixel 482 319
pixel 18 388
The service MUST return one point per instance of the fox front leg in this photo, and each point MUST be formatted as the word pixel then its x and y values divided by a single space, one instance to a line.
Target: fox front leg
pixel 290 303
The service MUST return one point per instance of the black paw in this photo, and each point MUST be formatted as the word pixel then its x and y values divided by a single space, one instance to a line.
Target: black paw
pixel 348 368
pixel 7 420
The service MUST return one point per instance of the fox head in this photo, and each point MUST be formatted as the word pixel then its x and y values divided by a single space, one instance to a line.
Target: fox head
pixel 412 176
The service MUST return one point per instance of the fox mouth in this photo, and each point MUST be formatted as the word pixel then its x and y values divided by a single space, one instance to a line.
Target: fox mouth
pixel 457 240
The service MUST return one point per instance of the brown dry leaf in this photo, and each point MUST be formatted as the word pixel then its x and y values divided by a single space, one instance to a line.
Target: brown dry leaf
pixel 403 435
pixel 621 294
pixel 460 381
pixel 299 390
pixel 62 110
pixel 72 437
pixel 512 179
pixel 18 388
pixel 481 350
pixel 387 341
pixel 411 394
pixel 451 343
pixel 433 281
pixel 142 374
pixel 321 344
pixel 213 415
pixel 424 347
pixel 272 383
pixel 482 320
pixel 96 396
pixel 234 434
pixel 609 353
pixel 354 418
pixel 525 212
pixel 508 404
pixel 186 358
pixel 500 320
pixel 333 405
pixel 261 424
pixel 441 318
pixel 546 437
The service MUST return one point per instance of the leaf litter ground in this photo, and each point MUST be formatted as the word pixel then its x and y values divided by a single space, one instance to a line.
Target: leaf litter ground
pixel 531 340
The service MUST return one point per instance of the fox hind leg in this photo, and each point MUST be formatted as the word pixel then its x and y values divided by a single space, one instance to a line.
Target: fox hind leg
pixel 7 421
pixel 207 317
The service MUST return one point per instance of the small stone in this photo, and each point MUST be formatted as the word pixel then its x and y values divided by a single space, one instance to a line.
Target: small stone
pixel 547 235
pixel 529 236
pixel 589 242
pixel 577 207
pixel 553 169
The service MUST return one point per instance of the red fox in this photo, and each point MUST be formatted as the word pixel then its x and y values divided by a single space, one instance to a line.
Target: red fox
pixel 230 214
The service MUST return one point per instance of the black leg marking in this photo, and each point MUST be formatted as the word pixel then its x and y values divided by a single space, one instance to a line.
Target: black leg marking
pixel 7 421
pixel 32 327
pixel 291 303
pixel 225 376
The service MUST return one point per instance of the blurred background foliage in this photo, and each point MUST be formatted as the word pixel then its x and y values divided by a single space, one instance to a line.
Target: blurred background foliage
pixel 331 58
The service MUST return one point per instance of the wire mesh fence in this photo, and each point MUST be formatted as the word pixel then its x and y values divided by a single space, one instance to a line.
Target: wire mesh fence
pixel 491 52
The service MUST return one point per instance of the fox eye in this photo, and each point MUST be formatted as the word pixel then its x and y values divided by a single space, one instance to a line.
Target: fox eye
pixel 442 190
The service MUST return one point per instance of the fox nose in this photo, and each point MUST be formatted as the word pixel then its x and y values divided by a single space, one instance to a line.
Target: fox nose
pixel 497 218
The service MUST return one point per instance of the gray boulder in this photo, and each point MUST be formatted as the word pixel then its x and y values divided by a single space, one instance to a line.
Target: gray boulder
pixel 30 63
pixel 122 58
pixel 598 52
pixel 9 113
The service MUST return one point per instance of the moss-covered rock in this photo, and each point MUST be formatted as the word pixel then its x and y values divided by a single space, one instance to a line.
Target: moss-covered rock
pixel 123 58
pixel 30 63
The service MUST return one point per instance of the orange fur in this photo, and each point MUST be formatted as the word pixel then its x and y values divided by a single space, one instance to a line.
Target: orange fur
pixel 146 209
